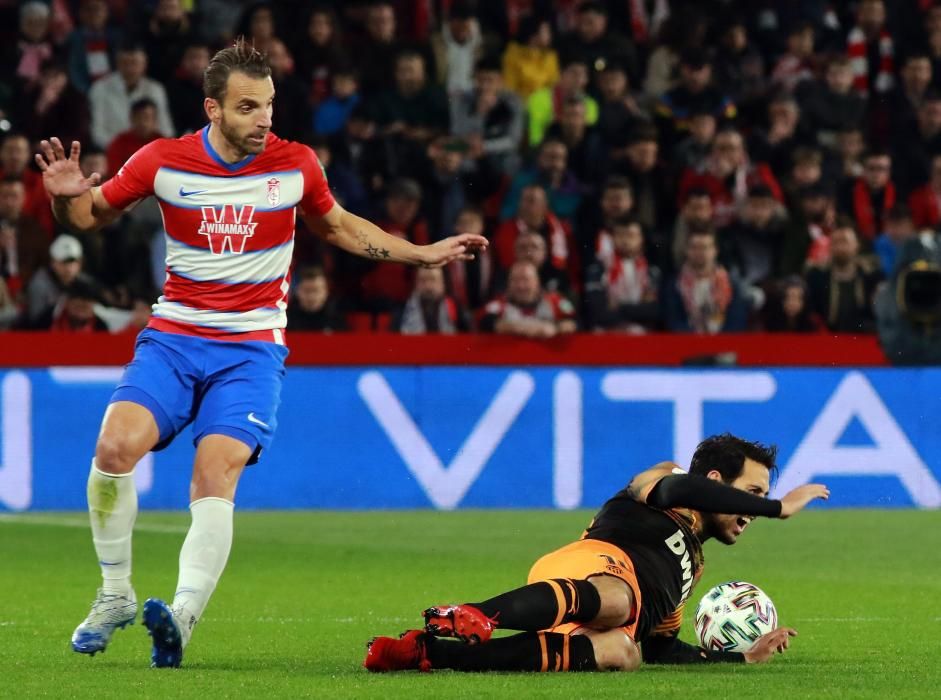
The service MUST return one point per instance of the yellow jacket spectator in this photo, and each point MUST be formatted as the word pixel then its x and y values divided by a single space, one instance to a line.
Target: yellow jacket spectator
pixel 530 63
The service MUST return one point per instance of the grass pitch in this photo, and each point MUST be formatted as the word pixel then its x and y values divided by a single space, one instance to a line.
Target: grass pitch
pixel 304 591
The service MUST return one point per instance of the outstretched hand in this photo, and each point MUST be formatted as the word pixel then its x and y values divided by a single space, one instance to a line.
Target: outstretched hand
pixel 798 498
pixel 62 175
pixel 765 646
pixel 461 247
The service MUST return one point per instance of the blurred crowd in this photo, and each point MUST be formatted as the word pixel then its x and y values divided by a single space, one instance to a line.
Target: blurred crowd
pixel 698 166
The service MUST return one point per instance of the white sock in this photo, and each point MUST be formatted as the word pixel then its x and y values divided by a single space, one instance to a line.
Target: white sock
pixel 112 507
pixel 202 558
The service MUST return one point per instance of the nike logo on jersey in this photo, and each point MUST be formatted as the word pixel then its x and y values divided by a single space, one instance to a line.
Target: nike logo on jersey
pixel 184 193
pixel 253 419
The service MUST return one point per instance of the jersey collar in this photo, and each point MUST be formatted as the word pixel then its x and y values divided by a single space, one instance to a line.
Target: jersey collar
pixel 211 152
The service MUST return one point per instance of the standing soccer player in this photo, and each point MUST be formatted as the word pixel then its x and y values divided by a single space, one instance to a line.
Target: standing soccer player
pixel 213 353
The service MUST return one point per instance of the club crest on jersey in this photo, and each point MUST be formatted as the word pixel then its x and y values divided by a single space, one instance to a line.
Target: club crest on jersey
pixel 228 227
pixel 274 192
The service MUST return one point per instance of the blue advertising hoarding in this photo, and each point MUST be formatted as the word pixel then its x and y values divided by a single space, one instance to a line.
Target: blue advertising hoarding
pixel 447 437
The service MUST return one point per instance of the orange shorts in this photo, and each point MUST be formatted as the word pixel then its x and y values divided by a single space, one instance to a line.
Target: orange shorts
pixel 582 560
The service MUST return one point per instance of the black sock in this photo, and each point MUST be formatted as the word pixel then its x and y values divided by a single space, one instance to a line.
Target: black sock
pixel 544 605
pixel 529 651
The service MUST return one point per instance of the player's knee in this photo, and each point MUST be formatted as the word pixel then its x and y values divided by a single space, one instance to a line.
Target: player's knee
pixel 115 454
pixel 617 601
pixel 615 651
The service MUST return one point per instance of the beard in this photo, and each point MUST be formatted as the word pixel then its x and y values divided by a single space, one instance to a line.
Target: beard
pixel 242 145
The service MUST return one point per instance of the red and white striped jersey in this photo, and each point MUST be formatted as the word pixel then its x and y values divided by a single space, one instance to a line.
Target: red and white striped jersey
pixel 229 231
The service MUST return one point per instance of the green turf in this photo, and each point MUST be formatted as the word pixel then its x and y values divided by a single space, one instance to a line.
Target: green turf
pixel 304 591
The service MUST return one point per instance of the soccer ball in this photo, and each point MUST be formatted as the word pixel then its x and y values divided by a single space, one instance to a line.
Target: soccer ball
pixel 733 615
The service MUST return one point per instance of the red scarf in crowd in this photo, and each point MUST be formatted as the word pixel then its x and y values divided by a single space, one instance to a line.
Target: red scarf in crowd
pixel 621 289
pixel 859 59
pixel 708 318
pixel 863 211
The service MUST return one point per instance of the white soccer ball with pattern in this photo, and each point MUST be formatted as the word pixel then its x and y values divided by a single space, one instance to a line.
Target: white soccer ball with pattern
pixel 732 615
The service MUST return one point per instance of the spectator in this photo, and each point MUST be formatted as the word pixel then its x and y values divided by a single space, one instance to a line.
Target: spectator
pixel 186 87
pixel 457 48
pixel 788 310
pixel 377 53
pixel 739 68
pixel 292 117
pixel 752 247
pixel 898 230
pixel 695 148
pixel 77 312
pixel 259 24
pixel 704 297
pixel 90 48
pixel 727 176
pixel 597 217
pixel 531 247
pixel 697 214
pixel 807 241
pixel 46 289
pixel 430 309
pixel 806 170
pixel 544 105
pixel 14 162
pixel 384 286
pixel 870 47
pixel 447 184
pixel 619 110
pixel 869 198
pixel 143 130
pixel 674 107
pixel 585 148
pixel 334 110
pixel 680 32
pixel 796 64
pixel 166 37
pixel 24 56
pixel 313 308
pixel 550 171
pixel 638 161
pixel 526 310
pixel 622 288
pixel 830 105
pixel 52 106
pixel 925 202
pixel 529 62
pixel 850 147
pixel 490 118
pixel 841 292
pixel 344 184
pixel 23 243
pixel 916 147
pixel 905 100
pixel 111 97
pixel 471 281
pixel 534 215
pixel 413 109
pixel 594 44
pixel 776 144
pixel 320 53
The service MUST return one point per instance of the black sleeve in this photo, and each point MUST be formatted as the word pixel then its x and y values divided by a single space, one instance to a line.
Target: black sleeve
pixel 670 650
pixel 709 496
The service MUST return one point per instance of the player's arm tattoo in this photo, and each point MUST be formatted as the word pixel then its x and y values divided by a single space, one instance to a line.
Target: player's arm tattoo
pixel 372 251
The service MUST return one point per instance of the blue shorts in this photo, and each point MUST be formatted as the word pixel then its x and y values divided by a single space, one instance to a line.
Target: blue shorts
pixel 222 387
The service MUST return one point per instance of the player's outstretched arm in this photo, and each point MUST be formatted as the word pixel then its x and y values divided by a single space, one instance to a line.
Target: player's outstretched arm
pixel 712 496
pixel 359 236
pixel 77 202
pixel 670 649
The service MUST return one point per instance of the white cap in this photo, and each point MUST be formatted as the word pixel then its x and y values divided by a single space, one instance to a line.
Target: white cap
pixel 65 247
